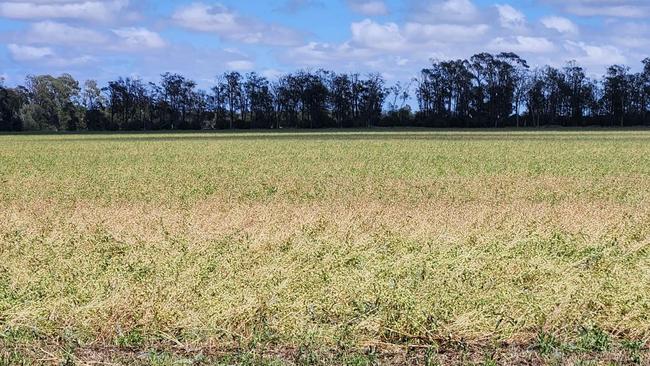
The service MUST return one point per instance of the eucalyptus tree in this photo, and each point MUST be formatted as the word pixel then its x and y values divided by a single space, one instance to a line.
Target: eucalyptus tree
pixel 218 102
pixel 616 89
pixel 536 97
pixel 260 100
pixel 288 100
pixel 52 102
pixel 233 93
pixel 373 97
pixel 119 103
pixel 11 102
pixel 431 92
pixel 646 90
pixel 398 109
pixel 177 94
pixel 515 83
pixel 341 99
pixel 315 95
pixel 575 80
pixel 94 104
pixel 459 88
pixel 508 69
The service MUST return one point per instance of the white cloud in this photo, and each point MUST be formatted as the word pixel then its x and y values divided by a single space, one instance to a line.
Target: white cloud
pixel 73 37
pixel 226 23
pixel 380 36
pixel 560 24
pixel 448 11
pixel 369 7
pixel 631 36
pixel 412 36
pixel 240 65
pixel 199 63
pixel 606 8
pixel 510 17
pixel 396 51
pixel 521 44
pixel 272 74
pixel 97 10
pixel 316 54
pixel 49 32
pixel 72 61
pixel 445 32
pixel 217 18
pixel 591 55
pixel 401 61
pixel 84 34
pixel 626 11
pixel 461 8
pixel 140 38
pixel 29 53
pixel 45 56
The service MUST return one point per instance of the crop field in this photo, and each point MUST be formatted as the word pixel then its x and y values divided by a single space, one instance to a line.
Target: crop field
pixel 300 248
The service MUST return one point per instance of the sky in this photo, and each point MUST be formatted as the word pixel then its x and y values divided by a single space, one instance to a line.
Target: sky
pixel 104 39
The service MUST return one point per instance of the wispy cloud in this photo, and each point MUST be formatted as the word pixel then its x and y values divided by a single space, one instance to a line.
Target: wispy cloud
pixel 369 7
pixel 63 9
pixel 230 25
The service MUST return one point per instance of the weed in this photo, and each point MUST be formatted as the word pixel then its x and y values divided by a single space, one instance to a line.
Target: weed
pixel 131 339
pixel 546 343
pixel 634 350
pixel 431 356
pixel 593 339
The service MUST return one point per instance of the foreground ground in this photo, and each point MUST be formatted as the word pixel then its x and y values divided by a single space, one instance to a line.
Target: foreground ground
pixel 325 248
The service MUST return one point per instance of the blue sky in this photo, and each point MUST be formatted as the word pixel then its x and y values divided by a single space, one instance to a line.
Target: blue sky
pixel 103 39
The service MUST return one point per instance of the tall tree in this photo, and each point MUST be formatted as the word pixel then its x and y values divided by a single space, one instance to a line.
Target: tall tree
pixel 94 103
pixel 616 88
pixel 53 102
pixel 233 95
pixel 11 102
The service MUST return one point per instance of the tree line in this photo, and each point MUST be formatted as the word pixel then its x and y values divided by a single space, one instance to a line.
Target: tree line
pixel 483 91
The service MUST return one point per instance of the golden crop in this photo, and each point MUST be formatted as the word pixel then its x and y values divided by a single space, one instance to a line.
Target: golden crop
pixel 325 247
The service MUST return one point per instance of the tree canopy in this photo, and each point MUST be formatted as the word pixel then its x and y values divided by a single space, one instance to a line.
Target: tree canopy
pixel 483 91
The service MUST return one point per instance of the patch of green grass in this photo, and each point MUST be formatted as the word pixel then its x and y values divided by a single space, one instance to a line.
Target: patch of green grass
pixel 131 339
pixel 14 358
pixel 634 350
pixel 593 339
pixel 546 343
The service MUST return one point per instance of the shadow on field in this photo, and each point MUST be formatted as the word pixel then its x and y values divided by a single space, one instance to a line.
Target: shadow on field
pixel 358 135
